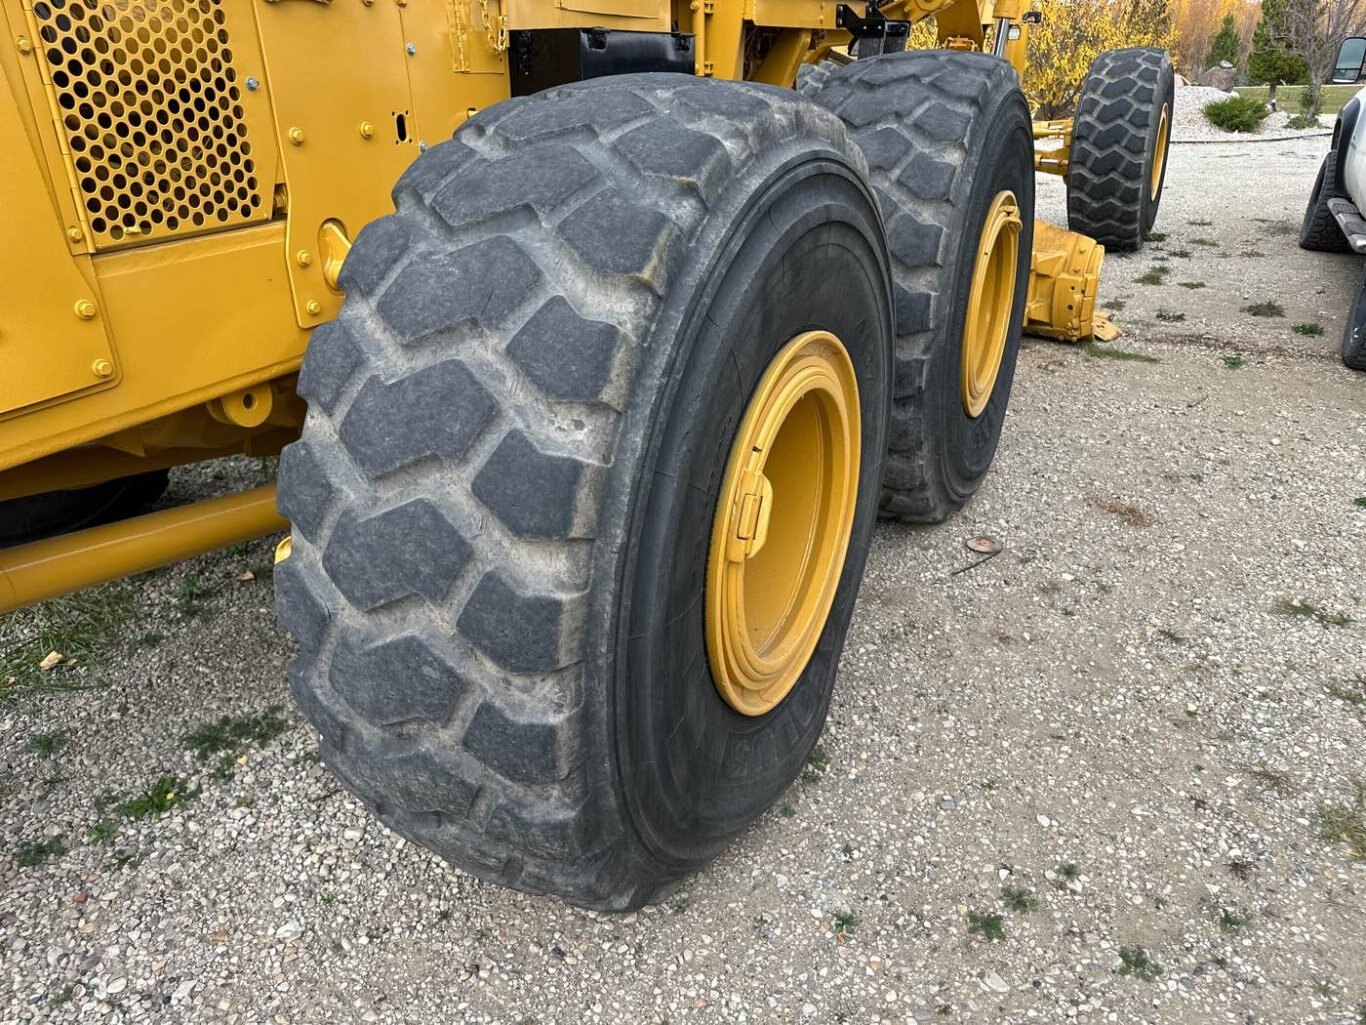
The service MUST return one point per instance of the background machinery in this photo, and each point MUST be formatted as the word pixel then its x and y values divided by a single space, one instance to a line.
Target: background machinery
pixel 584 430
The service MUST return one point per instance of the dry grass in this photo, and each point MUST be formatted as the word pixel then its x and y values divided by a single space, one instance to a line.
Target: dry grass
pixel 1130 512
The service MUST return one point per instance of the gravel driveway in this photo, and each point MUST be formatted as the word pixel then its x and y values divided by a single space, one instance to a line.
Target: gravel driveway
pixel 1111 775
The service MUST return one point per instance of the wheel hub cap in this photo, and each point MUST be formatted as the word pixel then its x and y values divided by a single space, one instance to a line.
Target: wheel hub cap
pixel 783 522
pixel 990 301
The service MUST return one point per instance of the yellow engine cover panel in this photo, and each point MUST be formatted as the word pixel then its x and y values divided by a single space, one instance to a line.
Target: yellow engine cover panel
pixel 46 296
pixel 148 104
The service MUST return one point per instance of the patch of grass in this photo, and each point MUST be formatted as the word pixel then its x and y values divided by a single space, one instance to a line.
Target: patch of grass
pixel 82 626
pixel 1267 308
pixel 991 927
pixel 230 734
pixel 817 765
pixel 190 596
pixel 1331 97
pixel 62 996
pixel 1345 823
pixel 1310 329
pixel 1241 868
pixel 1097 351
pixel 1154 275
pixel 1234 362
pixel 1069 870
pixel 1200 223
pixel 787 811
pixel 1191 284
pixel 1114 304
pixel 1135 961
pixel 161 796
pixel 105 831
pixel 845 923
pixel 1130 512
pixel 1254 253
pixel 1020 900
pixel 1170 317
pixel 1181 254
pixel 45 745
pixel 32 853
pixel 1157 236
pixel 1274 779
pixel 1211 243
pixel 1307 610
pixel 1360 501
pixel 1230 921
pixel 1236 114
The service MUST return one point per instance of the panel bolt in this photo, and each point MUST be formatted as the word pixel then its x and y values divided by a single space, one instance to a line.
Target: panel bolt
pixel 422 147
pixel 313 307
pixel 304 257
pixel 253 84
pixel 412 50
pixel 367 130
pixel 85 309
pixel 25 47
pixel 74 233
pixel 296 136
pixel 102 368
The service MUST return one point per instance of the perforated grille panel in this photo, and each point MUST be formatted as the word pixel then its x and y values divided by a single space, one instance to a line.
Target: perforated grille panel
pixel 148 99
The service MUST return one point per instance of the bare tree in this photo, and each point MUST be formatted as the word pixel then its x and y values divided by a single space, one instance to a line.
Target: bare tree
pixel 1314 29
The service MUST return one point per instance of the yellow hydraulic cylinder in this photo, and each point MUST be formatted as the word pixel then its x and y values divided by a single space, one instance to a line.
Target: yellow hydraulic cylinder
pixel 45 569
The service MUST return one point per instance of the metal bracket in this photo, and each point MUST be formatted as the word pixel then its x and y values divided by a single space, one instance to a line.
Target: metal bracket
pixel 893 34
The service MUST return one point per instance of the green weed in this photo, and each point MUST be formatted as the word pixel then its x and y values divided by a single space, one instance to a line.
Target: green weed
pixel 1192 285
pixel 988 926
pixel 45 745
pixel 1019 899
pixel 1097 351
pixel 1234 362
pixel 1306 610
pixel 1268 308
pixel 161 796
pixel 1136 962
pixel 1311 329
pixel 1170 317
pixel 1154 275
pixel 32 853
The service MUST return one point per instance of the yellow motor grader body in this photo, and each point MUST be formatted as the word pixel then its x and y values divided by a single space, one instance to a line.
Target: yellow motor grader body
pixel 183 179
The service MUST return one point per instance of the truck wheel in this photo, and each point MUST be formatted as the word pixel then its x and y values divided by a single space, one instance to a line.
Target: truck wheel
pixel 588 479
pixel 59 512
pixel 1319 231
pixel 811 78
pixel 1354 333
pixel 950 152
pixel 1120 137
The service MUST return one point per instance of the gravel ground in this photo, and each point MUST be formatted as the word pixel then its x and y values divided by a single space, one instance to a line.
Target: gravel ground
pixel 1190 125
pixel 1107 776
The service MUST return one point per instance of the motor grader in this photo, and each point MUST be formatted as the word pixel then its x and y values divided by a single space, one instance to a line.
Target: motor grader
pixel 592 348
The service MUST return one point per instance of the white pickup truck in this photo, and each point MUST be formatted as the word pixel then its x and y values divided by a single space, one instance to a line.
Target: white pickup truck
pixel 1334 221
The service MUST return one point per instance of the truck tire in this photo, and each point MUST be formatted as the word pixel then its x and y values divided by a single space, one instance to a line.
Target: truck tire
pixel 1120 137
pixel 60 512
pixel 945 134
pixel 1354 332
pixel 811 78
pixel 1319 231
pixel 511 552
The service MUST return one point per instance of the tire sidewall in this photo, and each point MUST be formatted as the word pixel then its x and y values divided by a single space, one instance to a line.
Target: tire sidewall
pixel 969 443
pixel 1354 331
pixel 1164 95
pixel 686 801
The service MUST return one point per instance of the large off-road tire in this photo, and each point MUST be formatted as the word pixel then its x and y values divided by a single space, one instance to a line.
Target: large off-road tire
pixel 1121 134
pixel 518 431
pixel 1319 231
pixel 59 512
pixel 944 134
pixel 1354 331
pixel 811 78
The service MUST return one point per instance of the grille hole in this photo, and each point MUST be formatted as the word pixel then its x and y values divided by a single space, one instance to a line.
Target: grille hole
pixel 401 125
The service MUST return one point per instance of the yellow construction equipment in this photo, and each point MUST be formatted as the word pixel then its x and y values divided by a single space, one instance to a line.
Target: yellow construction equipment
pixel 592 357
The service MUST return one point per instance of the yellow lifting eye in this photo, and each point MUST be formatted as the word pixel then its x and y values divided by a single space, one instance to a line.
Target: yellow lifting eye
pixel 783 522
pixel 990 301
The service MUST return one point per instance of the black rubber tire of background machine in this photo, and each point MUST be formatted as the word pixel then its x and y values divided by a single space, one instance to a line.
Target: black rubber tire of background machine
pixel 1114 143
pixel 943 133
pixel 1319 231
pixel 1354 331
pixel 811 78
pixel 60 512
pixel 517 430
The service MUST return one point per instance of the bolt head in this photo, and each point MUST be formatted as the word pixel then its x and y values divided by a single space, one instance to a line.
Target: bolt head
pixel 25 46
pixel 296 136
pixel 367 130
pixel 102 368
pixel 411 49
pixel 313 307
pixel 74 233
pixel 304 257
pixel 253 84
pixel 85 309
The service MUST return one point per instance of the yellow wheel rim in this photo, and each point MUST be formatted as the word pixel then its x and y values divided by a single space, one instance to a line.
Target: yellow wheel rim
pixel 990 301
pixel 1160 154
pixel 783 522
